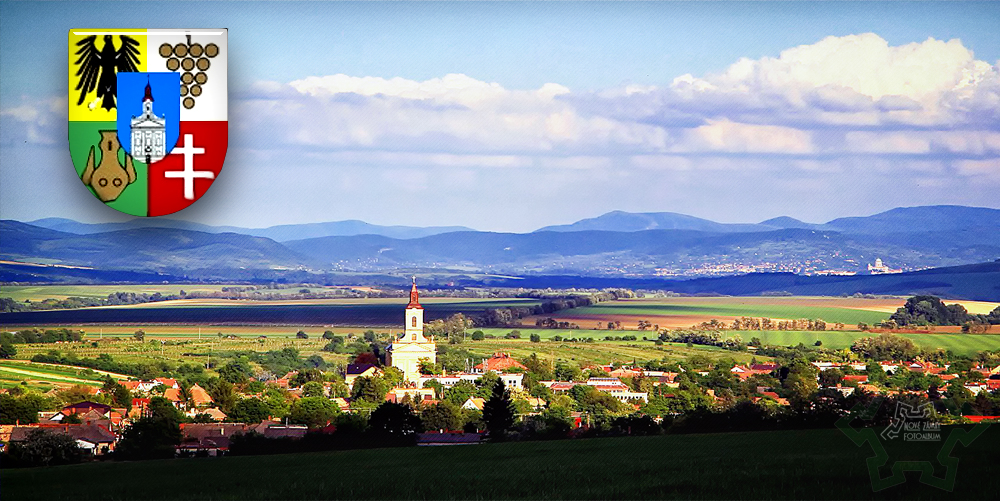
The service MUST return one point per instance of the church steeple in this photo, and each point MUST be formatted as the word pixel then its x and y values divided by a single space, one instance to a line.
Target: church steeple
pixel 414 296
pixel 149 92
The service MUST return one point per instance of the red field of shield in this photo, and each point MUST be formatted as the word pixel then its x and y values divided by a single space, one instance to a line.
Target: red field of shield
pixel 183 176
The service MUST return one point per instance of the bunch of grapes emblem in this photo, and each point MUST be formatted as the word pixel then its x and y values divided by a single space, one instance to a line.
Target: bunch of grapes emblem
pixel 194 60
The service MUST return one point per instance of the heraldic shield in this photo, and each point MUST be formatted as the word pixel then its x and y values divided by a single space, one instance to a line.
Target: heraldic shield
pixel 148 115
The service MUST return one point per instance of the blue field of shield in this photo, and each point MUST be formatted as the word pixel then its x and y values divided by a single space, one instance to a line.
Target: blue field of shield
pixel 149 110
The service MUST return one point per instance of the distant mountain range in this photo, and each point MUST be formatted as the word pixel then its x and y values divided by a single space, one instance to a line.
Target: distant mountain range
pixel 280 233
pixel 902 219
pixel 617 244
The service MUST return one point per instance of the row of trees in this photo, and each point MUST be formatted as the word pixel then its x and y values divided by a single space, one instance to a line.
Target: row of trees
pixel 931 310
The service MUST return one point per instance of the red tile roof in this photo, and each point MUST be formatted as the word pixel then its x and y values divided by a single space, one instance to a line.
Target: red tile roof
pixel 501 362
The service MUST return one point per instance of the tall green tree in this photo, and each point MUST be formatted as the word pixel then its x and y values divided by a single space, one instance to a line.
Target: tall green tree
pixel 499 412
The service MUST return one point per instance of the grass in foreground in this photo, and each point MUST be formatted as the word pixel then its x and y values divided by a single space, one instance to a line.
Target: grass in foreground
pixel 810 464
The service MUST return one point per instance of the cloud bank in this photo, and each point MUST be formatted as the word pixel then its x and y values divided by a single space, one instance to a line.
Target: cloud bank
pixel 805 119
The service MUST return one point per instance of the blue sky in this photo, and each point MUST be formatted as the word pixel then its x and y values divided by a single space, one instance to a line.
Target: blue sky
pixel 553 111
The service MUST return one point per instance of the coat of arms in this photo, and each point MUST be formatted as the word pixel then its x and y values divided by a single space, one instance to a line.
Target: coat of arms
pixel 148 113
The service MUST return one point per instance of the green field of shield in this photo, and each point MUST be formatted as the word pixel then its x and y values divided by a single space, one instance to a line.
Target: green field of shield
pixel 83 136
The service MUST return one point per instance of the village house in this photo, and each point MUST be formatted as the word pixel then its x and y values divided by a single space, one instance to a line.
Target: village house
pixel 95 439
pixel 354 371
pixel 474 404
pixel 510 380
pixel 398 393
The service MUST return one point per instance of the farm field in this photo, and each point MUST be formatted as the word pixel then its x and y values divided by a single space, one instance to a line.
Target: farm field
pixel 323 312
pixel 20 293
pixel 687 311
pixel 602 351
pixel 45 376
pixel 960 344
pixel 659 467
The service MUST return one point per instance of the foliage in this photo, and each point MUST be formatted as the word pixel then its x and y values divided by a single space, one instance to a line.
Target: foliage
pixel 930 310
pixel 885 347
pixel 154 436
pixel 499 412
pixel 249 410
pixel 442 416
pixel 314 412
pixel 394 420
pixel 46 448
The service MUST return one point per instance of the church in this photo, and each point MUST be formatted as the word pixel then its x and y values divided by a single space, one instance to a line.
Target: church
pixel 149 132
pixel 406 352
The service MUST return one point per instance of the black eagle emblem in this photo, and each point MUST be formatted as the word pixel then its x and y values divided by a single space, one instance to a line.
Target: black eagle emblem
pixel 98 67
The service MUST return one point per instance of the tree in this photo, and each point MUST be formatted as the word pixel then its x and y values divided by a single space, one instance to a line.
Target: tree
pixel 328 335
pixel 442 416
pixel 394 420
pixel 369 389
pixel 478 336
pixel 313 411
pixel 222 394
pixel 249 410
pixel 236 371
pixel 313 389
pixel 139 335
pixel 302 335
pixel 45 448
pixel 885 347
pixel 498 411
pixel 7 350
pixel 459 392
pixel 535 338
pixel 154 436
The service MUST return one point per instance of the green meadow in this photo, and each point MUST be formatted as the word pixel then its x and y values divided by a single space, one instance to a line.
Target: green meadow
pixel 728 307
pixel 797 464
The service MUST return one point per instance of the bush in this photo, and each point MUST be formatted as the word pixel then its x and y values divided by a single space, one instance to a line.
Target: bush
pixel 478 336
pixel 302 335
pixel 45 448
pixel 535 338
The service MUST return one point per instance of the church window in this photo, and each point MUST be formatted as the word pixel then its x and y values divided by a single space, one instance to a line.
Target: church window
pixel 414 336
pixel 413 321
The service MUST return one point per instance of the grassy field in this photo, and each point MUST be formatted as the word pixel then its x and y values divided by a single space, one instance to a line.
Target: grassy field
pixel 810 464
pixel 45 376
pixel 21 293
pixel 687 311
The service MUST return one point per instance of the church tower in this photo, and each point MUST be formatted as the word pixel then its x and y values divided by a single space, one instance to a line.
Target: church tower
pixel 406 352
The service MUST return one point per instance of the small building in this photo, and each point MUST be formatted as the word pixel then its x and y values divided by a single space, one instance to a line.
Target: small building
pixel 354 371
pixel 432 439
pixel 96 439
pixel 399 393
pixel 474 404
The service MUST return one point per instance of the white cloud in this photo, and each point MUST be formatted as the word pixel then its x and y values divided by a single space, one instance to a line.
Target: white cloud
pixel 851 95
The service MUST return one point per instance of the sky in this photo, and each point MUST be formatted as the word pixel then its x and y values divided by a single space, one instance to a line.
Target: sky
pixel 512 116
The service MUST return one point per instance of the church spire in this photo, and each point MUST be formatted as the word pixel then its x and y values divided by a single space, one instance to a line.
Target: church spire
pixel 149 92
pixel 414 296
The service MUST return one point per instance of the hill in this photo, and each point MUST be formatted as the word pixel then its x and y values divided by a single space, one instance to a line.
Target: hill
pixel 749 465
pixel 899 220
pixel 278 233
pixel 600 253
pixel 921 220
pixel 146 249
pixel 628 221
